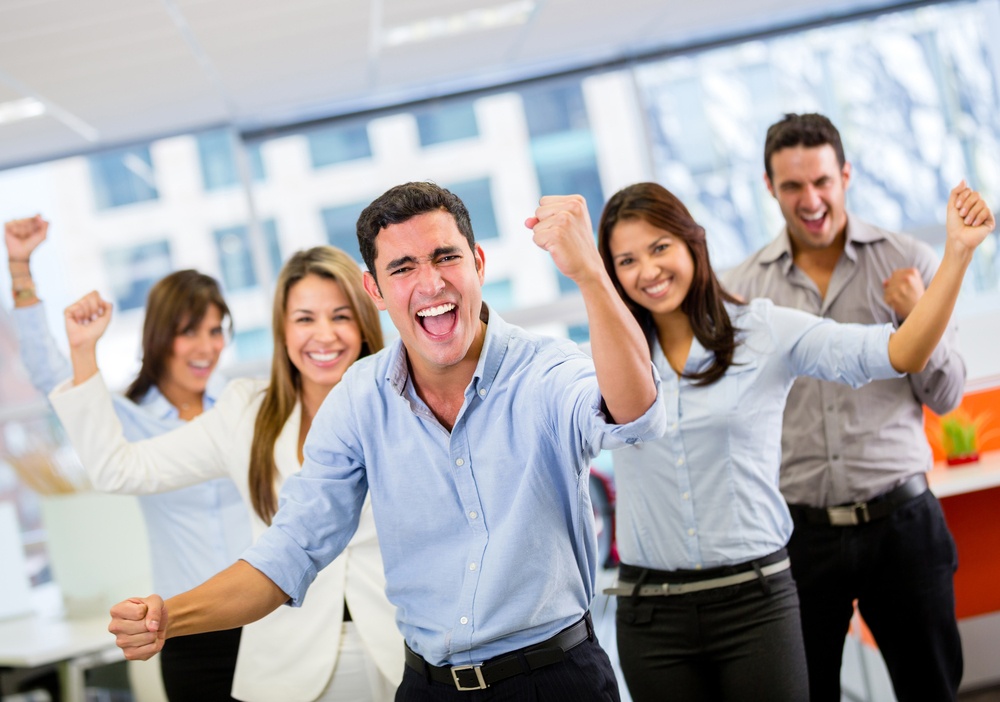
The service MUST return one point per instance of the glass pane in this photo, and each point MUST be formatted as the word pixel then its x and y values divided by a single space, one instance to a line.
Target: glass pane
pixel 449 122
pixel 479 202
pixel 331 145
pixel 123 177
pixel 133 270
pixel 341 224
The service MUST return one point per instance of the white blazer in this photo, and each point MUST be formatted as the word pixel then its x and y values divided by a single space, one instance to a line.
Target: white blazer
pixel 289 655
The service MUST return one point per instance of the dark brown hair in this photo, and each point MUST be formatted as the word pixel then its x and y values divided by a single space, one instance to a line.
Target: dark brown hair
pixel 403 202
pixel 175 304
pixel 286 382
pixel 703 304
pixel 809 130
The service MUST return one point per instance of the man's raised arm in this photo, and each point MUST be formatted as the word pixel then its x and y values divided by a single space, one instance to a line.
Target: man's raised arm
pixel 621 353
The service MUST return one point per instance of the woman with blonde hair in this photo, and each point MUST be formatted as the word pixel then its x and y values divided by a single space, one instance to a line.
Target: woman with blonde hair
pixel 196 531
pixel 342 644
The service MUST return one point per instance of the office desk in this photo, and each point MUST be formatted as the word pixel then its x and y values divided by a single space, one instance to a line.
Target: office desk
pixel 74 646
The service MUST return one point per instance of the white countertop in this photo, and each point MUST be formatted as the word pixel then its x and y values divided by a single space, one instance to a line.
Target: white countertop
pixel 946 481
pixel 46 636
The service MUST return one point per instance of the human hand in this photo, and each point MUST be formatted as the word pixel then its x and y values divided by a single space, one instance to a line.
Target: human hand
pixel 86 320
pixel 902 289
pixel 23 236
pixel 140 626
pixel 969 219
pixel 562 227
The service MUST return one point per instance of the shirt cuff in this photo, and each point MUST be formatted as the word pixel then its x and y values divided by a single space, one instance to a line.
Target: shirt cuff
pixel 650 426
pixel 283 562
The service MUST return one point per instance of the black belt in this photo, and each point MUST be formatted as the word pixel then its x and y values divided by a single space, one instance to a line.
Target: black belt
pixel 861 512
pixel 524 660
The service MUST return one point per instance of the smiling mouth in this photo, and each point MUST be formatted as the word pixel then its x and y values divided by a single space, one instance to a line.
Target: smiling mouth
pixel 200 365
pixel 814 221
pixel 438 320
pixel 658 289
pixel 325 357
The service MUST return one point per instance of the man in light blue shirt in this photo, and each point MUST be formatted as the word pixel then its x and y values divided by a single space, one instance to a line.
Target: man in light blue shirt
pixel 474 438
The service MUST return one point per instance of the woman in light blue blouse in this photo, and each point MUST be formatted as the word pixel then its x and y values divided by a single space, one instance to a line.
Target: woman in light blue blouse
pixel 707 608
pixel 193 532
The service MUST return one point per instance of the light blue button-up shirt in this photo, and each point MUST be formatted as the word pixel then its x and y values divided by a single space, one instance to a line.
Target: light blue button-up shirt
pixel 193 532
pixel 706 494
pixel 486 531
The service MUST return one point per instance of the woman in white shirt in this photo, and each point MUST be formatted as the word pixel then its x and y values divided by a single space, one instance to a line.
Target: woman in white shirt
pixel 323 321
pixel 707 608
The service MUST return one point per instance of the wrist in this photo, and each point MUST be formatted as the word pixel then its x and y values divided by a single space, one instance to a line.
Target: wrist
pixel 24 294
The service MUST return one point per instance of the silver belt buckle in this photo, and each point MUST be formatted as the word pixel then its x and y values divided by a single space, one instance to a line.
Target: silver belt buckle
pixel 849 516
pixel 478 684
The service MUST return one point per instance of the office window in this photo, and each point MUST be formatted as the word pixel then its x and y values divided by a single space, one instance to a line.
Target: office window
pixel 341 224
pixel 478 201
pixel 451 122
pixel 499 294
pixel 133 270
pixel 338 144
pixel 218 162
pixel 123 177
pixel 551 109
pixel 236 254
pixel 253 344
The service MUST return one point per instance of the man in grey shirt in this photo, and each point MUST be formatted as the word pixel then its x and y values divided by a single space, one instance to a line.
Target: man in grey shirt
pixel 854 461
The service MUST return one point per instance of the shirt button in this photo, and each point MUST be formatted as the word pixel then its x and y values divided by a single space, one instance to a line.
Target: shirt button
pixel 686 496
pixel 482 392
pixel 836 456
pixel 680 461
pixel 697 566
pixel 459 462
pixel 472 515
pixel 464 620
pixel 690 532
pixel 472 566
pixel 673 425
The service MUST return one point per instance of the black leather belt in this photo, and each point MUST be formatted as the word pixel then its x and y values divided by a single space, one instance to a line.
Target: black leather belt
pixel 861 512
pixel 481 676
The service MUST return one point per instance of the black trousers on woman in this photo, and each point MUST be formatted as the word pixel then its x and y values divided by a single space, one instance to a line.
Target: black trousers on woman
pixel 200 667
pixel 742 642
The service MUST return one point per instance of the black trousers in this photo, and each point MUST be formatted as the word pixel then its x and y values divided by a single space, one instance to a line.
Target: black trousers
pixel 586 675
pixel 900 569
pixel 200 667
pixel 742 642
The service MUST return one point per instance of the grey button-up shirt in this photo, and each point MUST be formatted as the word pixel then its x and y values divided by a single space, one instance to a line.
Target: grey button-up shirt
pixel 841 445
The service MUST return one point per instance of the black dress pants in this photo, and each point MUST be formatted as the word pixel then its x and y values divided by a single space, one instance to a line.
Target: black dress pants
pixel 742 642
pixel 200 667
pixel 585 675
pixel 900 569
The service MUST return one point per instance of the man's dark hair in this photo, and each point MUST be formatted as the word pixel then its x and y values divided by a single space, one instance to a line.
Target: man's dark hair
pixel 807 130
pixel 404 202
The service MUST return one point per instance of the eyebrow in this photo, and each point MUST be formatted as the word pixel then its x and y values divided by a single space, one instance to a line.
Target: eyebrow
pixel 309 311
pixel 436 253
pixel 629 253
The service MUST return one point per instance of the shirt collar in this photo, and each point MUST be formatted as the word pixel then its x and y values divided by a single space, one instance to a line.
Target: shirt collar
pixel 159 406
pixel 498 334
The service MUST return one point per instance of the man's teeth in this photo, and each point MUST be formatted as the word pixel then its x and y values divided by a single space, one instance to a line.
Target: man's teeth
pixel 813 217
pixel 436 311
pixel 324 357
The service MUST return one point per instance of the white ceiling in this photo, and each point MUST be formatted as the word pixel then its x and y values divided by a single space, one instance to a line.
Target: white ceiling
pixel 117 71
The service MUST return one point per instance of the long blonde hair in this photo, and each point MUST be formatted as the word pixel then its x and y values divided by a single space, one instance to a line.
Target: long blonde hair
pixel 286 381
